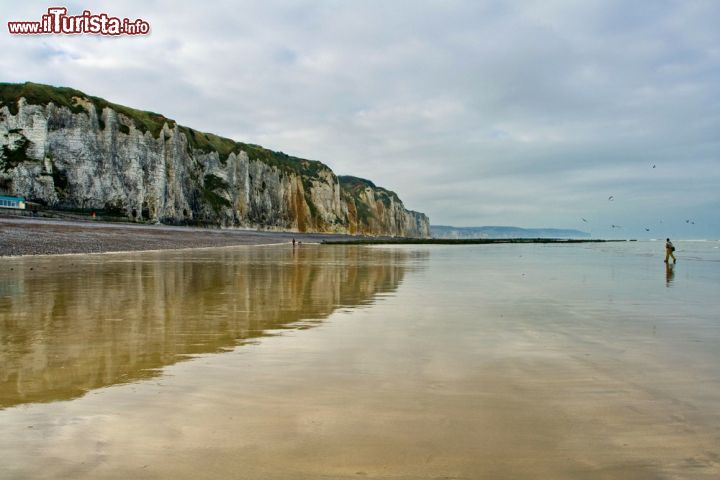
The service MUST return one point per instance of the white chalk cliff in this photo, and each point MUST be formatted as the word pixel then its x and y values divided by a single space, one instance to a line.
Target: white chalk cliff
pixel 61 147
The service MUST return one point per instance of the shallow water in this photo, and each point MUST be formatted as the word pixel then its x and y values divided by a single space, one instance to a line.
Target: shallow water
pixel 485 361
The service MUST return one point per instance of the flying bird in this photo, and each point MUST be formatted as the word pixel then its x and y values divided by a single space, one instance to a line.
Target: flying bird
pixel 647 229
pixel 653 166
pixel 583 220
pixel 611 198
pixel 616 226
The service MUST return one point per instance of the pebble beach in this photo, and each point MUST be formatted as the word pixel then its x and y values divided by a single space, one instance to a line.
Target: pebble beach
pixel 31 236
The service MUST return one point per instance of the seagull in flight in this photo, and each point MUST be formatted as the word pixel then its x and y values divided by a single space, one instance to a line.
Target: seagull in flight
pixel 611 198
pixel 583 220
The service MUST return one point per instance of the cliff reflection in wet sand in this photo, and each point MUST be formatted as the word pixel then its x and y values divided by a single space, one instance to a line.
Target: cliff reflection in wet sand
pixel 71 324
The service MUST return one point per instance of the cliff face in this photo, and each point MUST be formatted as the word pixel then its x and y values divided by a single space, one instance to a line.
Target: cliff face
pixel 61 147
pixel 371 208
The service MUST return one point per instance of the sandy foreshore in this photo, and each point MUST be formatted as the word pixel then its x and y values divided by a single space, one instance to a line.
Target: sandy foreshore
pixel 586 361
pixel 31 236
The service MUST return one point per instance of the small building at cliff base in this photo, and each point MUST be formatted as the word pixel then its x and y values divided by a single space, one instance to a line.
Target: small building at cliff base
pixel 10 201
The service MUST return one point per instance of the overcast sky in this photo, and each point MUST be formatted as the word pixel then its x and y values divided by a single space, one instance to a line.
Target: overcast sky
pixel 475 112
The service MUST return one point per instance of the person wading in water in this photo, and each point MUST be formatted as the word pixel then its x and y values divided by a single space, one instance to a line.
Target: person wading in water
pixel 669 249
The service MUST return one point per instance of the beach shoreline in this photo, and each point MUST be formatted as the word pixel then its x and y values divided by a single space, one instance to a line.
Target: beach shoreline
pixel 21 236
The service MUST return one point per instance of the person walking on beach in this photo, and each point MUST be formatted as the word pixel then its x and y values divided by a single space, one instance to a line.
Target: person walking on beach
pixel 669 249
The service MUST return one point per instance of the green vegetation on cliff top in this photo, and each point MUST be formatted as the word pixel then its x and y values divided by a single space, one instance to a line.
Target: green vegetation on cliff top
pixel 208 143
pixel 38 94
pixel 353 186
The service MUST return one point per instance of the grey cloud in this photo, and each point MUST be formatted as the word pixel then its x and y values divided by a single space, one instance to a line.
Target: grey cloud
pixel 516 113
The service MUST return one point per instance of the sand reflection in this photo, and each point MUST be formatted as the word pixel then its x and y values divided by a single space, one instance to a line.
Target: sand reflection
pixel 71 324
pixel 669 274
pixel 505 361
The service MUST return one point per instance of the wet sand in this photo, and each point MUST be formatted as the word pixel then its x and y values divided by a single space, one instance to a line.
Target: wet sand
pixel 29 236
pixel 496 361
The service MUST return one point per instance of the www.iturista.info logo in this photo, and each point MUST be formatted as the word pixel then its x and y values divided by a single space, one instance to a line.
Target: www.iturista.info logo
pixel 57 21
